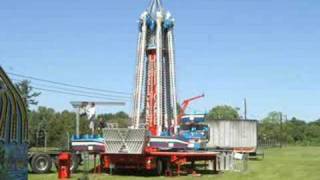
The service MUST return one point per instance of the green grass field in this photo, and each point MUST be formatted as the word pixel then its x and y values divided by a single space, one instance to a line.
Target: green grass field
pixel 292 163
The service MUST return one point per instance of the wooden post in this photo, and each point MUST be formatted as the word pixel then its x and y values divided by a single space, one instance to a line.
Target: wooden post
pixel 245 109
pixel 280 130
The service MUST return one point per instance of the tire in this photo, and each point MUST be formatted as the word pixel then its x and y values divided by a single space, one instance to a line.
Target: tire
pixel 41 163
pixel 75 161
pixel 159 168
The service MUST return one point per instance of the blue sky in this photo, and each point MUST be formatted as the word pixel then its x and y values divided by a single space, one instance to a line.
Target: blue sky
pixel 267 51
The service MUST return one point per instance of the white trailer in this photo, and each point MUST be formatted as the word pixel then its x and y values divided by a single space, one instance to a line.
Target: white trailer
pixel 236 135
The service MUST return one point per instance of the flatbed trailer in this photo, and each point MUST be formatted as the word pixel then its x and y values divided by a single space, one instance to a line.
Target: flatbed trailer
pixel 166 163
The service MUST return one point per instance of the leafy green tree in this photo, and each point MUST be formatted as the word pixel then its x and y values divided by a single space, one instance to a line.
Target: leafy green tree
pixel 39 119
pixel 223 112
pixel 58 126
pixel 312 134
pixel 296 130
pixel 273 117
pixel 121 118
pixel 121 115
pixel 269 127
pixel 28 93
pixel 317 122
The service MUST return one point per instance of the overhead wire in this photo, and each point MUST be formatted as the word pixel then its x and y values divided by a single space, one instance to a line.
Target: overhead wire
pixel 67 92
pixel 67 84
pixel 76 94
pixel 75 90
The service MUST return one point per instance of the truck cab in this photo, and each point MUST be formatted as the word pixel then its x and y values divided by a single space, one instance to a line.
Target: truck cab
pixel 193 129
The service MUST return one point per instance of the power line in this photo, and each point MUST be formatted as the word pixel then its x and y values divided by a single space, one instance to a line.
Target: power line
pixel 75 94
pixel 79 91
pixel 66 84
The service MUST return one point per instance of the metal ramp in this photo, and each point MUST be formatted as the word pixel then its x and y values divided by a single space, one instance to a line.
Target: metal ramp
pixel 124 141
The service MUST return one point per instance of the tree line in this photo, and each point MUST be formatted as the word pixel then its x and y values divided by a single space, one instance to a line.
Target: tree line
pixel 275 127
pixel 59 126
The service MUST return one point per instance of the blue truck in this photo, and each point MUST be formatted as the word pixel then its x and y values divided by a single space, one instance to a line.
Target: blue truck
pixel 194 130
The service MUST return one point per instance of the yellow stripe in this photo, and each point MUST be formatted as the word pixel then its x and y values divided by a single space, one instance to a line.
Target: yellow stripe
pixel 3 115
pixel 23 124
pixel 13 116
pixel 8 119
pixel 2 109
pixel 23 119
pixel 17 103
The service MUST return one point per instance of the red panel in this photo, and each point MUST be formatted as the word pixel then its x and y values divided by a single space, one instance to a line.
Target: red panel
pixel 151 104
pixel 128 161
pixel 244 149
pixel 185 154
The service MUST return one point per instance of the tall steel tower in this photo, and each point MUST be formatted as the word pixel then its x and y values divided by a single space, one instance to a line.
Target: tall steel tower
pixel 155 101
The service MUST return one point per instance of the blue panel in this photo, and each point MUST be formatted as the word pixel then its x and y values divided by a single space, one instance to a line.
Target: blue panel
pixel 196 120
pixel 87 138
pixel 151 24
pixel 14 160
pixel 168 24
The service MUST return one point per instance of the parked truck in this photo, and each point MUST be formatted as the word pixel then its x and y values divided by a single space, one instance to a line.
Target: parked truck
pixel 193 129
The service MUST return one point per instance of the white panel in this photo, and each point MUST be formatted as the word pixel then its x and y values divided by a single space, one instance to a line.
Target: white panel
pixel 225 133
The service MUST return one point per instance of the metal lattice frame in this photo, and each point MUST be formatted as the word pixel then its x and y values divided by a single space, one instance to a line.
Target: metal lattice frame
pixel 155 101
pixel 124 141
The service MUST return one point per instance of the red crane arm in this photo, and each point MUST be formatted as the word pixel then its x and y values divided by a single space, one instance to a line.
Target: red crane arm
pixel 185 105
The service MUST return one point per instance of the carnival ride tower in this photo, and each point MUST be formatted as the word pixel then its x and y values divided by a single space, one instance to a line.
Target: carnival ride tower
pixel 155 101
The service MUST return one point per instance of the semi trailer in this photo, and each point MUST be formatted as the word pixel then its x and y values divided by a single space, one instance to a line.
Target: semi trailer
pixel 238 135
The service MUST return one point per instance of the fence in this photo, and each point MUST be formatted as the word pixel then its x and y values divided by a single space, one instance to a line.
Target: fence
pixel 271 143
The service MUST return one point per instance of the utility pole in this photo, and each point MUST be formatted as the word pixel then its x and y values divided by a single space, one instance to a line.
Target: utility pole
pixel 245 108
pixel 285 129
pixel 78 122
pixel 281 130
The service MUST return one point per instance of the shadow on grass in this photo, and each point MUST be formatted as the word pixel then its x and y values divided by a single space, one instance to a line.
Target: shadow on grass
pixel 133 173
pixel 256 159
pixel 125 172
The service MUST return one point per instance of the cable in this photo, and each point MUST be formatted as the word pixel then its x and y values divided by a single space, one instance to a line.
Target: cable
pixel 74 90
pixel 75 94
pixel 66 84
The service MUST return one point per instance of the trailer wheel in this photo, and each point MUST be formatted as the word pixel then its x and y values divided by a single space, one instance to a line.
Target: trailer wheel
pixel 41 163
pixel 159 169
pixel 75 161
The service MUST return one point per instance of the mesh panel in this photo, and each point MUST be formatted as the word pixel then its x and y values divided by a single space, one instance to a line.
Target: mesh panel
pixel 124 141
